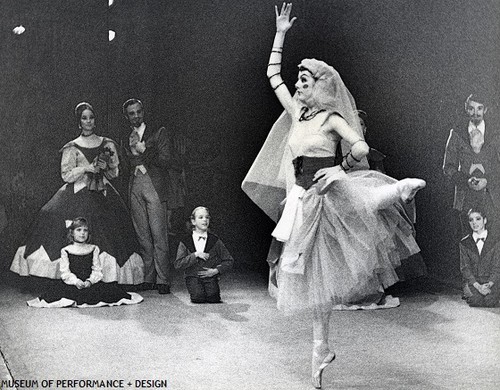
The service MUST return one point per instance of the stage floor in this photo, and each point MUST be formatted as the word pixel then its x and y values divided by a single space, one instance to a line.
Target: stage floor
pixel 432 341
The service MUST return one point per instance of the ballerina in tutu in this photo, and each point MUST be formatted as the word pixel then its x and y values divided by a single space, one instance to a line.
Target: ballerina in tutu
pixel 81 276
pixel 88 164
pixel 343 230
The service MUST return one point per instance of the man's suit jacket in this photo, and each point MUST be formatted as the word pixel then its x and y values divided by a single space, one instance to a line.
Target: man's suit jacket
pixel 157 158
pixel 459 158
pixel 481 268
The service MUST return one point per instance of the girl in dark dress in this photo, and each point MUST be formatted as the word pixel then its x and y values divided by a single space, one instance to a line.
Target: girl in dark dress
pixel 81 276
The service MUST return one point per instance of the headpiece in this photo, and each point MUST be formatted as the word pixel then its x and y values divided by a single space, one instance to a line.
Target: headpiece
pixel 80 107
pixel 129 102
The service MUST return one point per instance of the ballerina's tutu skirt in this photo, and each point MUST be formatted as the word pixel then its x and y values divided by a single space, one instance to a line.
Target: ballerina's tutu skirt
pixel 342 248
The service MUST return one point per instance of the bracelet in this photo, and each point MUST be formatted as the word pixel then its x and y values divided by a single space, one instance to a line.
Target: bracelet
pixel 279 85
pixel 273 63
pixel 276 74
pixel 347 162
pixel 276 51
pixel 352 156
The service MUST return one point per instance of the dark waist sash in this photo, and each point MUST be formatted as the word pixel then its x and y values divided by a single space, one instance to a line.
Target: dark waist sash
pixel 305 168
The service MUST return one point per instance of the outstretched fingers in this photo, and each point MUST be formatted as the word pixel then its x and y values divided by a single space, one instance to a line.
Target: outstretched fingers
pixel 284 8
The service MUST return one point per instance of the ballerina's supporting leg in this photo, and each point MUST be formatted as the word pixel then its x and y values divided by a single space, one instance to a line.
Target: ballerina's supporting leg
pixel 322 356
pixel 404 191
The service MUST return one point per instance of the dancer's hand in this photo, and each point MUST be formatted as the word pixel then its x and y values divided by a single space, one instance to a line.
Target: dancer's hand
pixel 79 284
pixel 483 290
pixel 487 287
pixel 208 272
pixel 283 22
pixel 87 284
pixel 134 138
pixel 329 173
pixel 92 169
pixel 477 184
pixel 101 164
pixel 202 255
pixel 140 147
pixel 326 177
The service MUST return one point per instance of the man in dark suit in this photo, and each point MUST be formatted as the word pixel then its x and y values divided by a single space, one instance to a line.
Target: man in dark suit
pixel 149 158
pixel 472 163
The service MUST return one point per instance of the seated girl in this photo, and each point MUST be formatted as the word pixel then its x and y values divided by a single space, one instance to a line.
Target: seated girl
pixel 81 276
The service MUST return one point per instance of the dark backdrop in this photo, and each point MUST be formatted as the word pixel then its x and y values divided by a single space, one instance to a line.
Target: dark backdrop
pixel 199 67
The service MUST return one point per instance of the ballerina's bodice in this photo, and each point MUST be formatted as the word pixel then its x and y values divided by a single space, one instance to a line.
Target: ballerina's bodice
pixel 312 147
pixel 311 137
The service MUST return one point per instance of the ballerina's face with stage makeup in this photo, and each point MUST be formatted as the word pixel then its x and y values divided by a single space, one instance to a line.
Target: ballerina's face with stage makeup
pixel 304 87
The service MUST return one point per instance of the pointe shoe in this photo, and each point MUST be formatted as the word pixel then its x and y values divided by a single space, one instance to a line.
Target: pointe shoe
pixel 408 188
pixel 322 357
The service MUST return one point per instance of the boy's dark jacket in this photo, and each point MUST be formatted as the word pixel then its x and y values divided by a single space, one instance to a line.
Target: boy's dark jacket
pixel 186 259
pixel 484 267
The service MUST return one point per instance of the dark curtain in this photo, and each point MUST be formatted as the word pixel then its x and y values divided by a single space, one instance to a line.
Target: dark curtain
pixel 199 67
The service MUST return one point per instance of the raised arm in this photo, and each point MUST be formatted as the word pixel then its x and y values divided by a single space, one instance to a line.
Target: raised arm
pixel 283 24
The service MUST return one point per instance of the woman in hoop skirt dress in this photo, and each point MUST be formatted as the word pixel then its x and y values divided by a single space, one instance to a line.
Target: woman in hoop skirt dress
pixel 87 164
pixel 343 229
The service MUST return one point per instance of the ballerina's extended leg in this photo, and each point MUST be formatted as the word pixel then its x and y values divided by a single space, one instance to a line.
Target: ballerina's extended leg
pixel 322 356
pixel 408 188
pixel 402 191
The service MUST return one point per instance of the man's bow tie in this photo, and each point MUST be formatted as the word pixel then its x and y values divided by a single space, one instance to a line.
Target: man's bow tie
pixel 480 239
pixel 201 238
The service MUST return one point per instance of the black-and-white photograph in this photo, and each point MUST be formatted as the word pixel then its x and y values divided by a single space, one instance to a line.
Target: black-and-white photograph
pixel 221 194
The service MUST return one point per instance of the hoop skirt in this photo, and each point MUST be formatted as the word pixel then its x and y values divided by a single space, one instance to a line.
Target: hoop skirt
pixel 109 221
pixel 344 246
pixel 99 294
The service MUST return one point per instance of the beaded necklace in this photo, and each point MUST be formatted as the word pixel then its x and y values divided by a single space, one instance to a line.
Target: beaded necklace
pixel 304 117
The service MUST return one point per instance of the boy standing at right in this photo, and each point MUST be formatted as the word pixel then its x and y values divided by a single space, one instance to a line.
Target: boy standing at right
pixel 480 262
